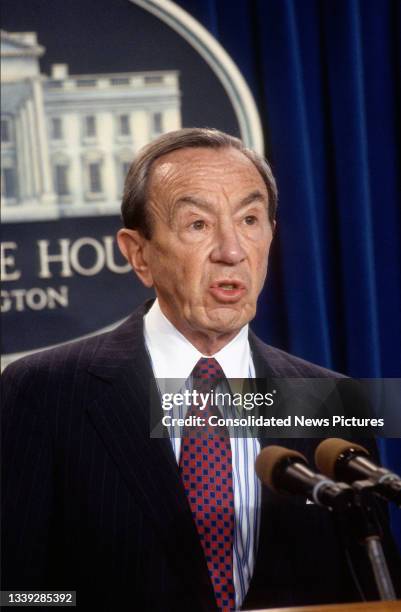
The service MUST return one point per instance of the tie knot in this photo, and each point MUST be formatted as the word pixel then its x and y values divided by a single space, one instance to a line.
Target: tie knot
pixel 208 370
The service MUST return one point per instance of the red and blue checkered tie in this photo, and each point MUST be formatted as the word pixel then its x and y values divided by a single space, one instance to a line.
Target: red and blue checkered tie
pixel 206 470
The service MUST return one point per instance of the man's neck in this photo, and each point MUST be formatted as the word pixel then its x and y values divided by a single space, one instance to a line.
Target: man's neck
pixel 208 343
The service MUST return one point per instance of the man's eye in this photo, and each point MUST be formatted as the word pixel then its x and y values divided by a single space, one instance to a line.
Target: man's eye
pixel 198 225
pixel 250 219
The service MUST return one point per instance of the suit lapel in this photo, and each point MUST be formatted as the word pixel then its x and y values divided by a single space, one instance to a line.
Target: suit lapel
pixel 268 369
pixel 122 418
pixel 121 415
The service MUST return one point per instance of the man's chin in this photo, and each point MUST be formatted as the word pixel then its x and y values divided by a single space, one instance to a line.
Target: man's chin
pixel 227 320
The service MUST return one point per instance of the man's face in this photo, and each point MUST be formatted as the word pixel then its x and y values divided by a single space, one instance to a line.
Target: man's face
pixel 207 257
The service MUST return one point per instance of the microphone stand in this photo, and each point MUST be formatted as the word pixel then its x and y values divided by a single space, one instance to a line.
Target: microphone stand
pixel 367 529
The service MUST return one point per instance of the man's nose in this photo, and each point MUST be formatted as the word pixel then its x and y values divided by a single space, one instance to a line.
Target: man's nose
pixel 228 247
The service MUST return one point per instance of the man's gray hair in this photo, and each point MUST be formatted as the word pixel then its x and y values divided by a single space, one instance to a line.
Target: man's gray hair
pixel 134 209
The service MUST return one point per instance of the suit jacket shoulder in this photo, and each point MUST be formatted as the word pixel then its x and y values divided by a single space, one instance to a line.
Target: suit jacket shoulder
pixel 72 359
pixel 127 339
pixel 276 362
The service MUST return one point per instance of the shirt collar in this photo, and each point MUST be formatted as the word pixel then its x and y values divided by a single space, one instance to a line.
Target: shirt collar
pixel 173 356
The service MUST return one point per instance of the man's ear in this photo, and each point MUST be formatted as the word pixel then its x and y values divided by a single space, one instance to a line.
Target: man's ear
pixel 133 245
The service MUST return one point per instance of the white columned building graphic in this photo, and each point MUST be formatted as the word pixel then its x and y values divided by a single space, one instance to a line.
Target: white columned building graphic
pixel 67 140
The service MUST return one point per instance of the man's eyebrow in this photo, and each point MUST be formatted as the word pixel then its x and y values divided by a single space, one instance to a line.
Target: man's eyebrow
pixel 188 200
pixel 254 196
pixel 195 201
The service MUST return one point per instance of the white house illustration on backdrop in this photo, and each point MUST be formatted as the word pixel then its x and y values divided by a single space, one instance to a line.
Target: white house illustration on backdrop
pixel 67 141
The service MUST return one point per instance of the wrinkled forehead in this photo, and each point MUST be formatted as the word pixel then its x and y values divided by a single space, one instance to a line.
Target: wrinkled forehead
pixel 203 170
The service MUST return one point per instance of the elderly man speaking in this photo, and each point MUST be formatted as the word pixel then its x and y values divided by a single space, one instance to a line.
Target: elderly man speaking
pixel 92 503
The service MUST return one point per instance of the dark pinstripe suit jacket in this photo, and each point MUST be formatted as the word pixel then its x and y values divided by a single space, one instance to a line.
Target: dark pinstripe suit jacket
pixel 92 504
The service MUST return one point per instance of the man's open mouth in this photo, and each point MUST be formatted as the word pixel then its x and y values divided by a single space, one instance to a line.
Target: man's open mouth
pixel 227 290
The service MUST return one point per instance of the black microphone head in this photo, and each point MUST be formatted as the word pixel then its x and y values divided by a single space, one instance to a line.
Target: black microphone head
pixel 269 459
pixel 329 451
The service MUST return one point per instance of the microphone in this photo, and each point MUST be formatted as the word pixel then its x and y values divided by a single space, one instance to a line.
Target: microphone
pixel 350 462
pixel 286 471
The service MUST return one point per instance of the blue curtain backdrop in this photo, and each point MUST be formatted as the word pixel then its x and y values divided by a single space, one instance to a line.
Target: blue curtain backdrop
pixel 326 78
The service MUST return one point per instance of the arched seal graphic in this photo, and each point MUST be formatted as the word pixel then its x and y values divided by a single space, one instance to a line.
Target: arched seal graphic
pixel 69 131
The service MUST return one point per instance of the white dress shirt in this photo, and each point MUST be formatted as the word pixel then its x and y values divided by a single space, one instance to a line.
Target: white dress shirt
pixel 174 357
